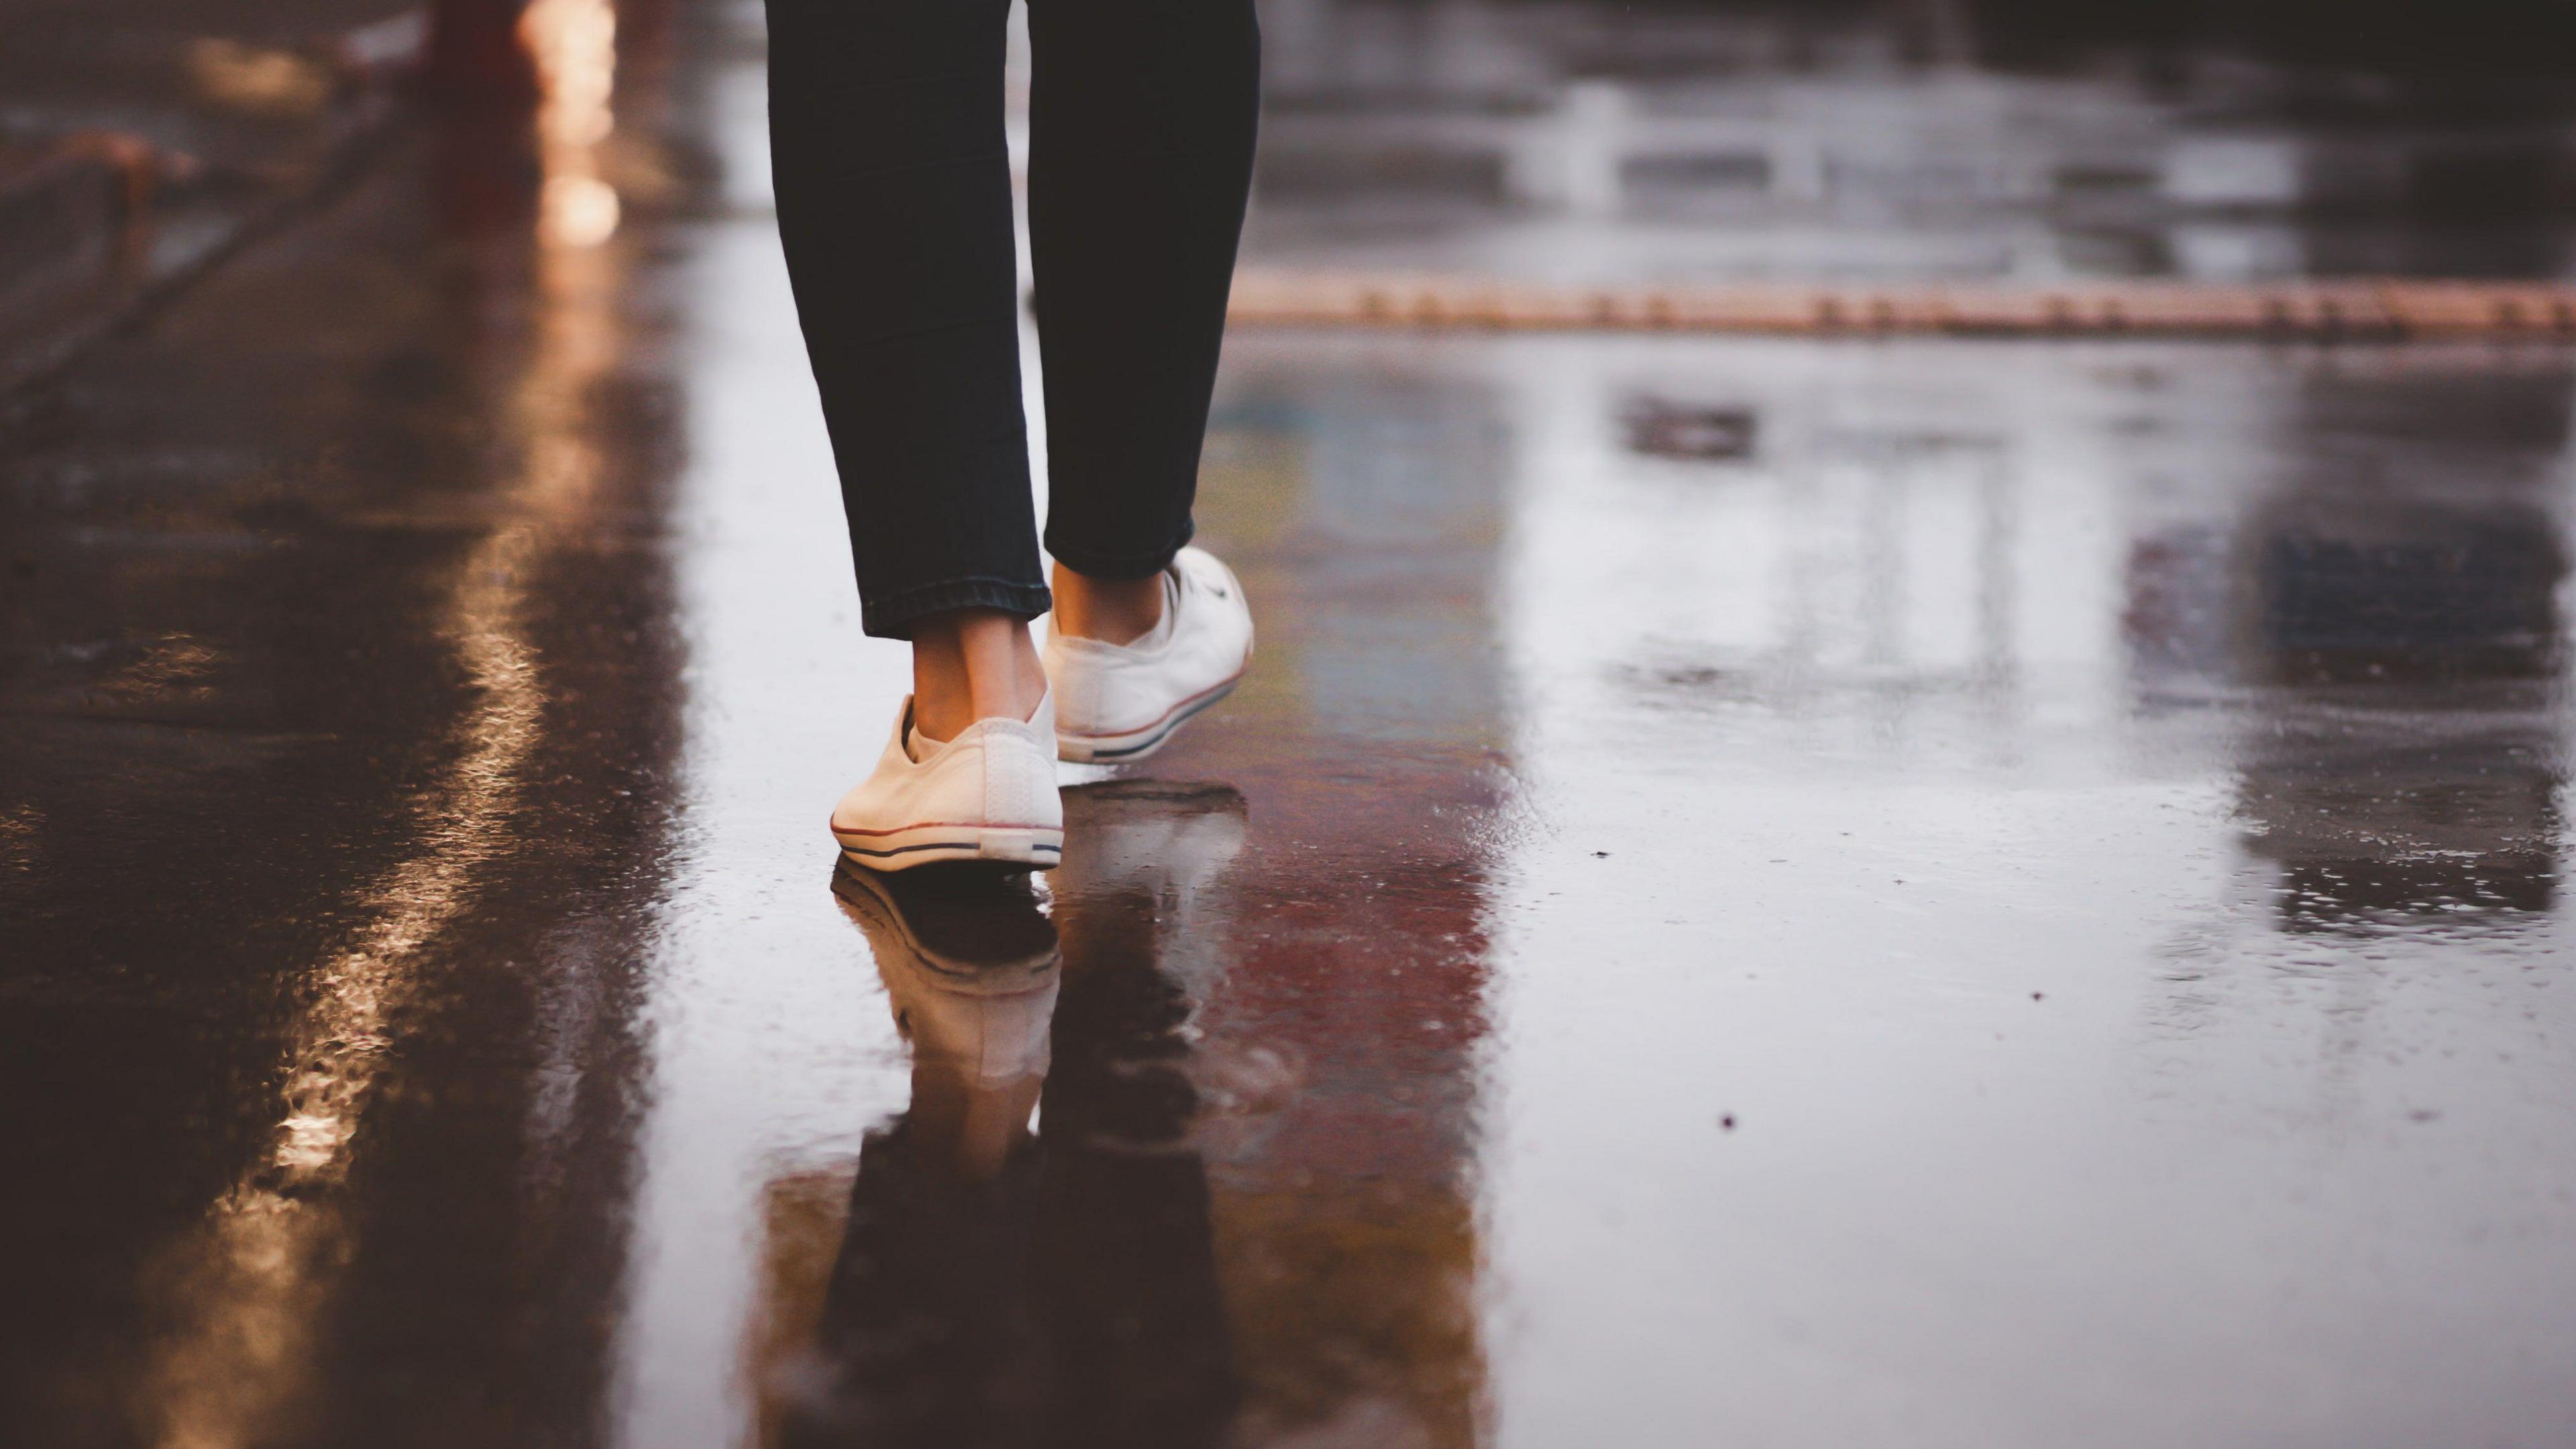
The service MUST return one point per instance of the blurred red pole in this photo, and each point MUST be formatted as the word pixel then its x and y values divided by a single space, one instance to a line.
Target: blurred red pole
pixel 477 56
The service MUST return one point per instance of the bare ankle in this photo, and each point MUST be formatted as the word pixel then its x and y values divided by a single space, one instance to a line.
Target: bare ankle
pixel 972 664
pixel 1113 611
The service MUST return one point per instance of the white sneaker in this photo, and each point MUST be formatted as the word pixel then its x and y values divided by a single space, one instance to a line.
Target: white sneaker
pixel 988 794
pixel 1120 702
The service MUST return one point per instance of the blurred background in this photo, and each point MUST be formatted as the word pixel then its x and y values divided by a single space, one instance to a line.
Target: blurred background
pixel 1939 139
pixel 1670 139
pixel 1865 890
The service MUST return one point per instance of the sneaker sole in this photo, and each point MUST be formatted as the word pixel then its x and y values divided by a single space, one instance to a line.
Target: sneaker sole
pixel 1034 846
pixel 1137 744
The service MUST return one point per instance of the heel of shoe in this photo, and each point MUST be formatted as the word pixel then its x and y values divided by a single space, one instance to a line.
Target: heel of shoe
pixel 1019 780
pixel 1037 849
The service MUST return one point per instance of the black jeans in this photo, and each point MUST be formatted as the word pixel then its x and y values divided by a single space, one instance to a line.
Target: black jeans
pixel 894 201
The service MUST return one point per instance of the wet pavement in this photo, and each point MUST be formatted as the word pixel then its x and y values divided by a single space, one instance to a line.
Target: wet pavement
pixel 1784 892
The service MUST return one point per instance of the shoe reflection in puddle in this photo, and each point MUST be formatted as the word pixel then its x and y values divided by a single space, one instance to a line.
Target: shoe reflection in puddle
pixel 997 1286
pixel 971 969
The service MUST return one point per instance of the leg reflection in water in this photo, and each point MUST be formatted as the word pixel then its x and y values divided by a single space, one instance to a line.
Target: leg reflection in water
pixel 999 1286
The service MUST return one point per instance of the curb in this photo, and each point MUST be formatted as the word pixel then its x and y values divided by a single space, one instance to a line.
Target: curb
pixel 2363 310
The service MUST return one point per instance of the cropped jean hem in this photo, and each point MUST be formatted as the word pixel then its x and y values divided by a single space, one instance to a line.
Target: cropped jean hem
pixel 1097 565
pixel 893 618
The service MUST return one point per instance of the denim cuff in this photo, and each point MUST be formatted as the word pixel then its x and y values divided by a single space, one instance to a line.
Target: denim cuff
pixel 1095 565
pixel 893 618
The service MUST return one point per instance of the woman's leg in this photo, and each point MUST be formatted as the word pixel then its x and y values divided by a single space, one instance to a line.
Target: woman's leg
pixel 894 201
pixel 1141 136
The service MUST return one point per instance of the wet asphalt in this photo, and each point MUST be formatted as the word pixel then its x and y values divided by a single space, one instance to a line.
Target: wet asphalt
pixel 1759 891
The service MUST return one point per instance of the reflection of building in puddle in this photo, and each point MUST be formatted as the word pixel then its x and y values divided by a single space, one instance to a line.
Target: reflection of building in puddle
pixel 2387 614
pixel 2402 770
pixel 1384 488
pixel 1857 580
pixel 2406 611
pixel 1340 1055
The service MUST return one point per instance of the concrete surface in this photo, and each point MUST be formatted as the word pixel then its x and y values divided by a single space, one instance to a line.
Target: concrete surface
pixel 1762 891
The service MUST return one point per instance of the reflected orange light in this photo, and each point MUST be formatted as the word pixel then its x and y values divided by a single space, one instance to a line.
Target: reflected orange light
pixel 258 1281
pixel 575 45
